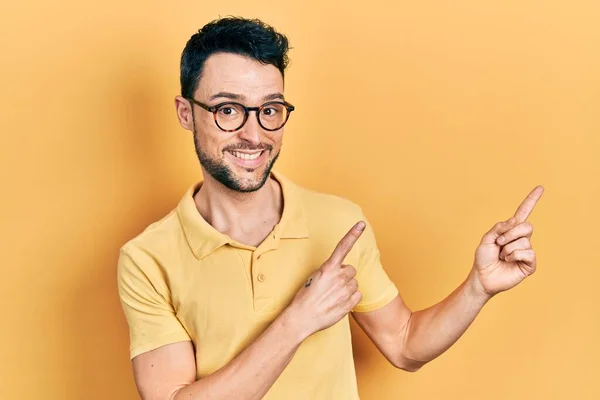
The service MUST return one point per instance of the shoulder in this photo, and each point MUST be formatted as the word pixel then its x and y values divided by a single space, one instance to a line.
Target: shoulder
pixel 330 205
pixel 156 236
pixel 334 209
pixel 330 217
pixel 147 250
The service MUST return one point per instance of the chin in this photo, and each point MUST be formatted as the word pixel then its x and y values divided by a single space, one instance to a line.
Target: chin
pixel 251 180
pixel 243 180
pixel 237 177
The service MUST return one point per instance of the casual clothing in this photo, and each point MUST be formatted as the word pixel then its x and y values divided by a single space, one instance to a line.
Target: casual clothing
pixel 183 280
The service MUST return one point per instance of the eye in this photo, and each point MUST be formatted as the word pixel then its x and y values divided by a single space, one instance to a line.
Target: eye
pixel 271 110
pixel 227 110
pixel 230 110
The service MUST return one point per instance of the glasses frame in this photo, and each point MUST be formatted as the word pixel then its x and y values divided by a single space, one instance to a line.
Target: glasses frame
pixel 214 109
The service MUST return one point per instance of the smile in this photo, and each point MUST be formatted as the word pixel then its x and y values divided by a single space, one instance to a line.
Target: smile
pixel 246 156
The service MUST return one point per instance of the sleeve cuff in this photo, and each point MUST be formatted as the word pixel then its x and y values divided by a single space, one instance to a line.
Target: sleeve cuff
pixel 136 350
pixel 390 294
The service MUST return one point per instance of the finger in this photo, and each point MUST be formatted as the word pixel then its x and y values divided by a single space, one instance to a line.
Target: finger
pixel 497 230
pixel 354 300
pixel 525 256
pixel 520 244
pixel 524 229
pixel 349 271
pixel 352 286
pixel 345 245
pixel 528 204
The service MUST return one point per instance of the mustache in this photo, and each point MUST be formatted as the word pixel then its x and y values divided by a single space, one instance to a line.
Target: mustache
pixel 247 146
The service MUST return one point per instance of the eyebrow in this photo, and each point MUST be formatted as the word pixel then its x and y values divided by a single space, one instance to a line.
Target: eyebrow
pixel 241 97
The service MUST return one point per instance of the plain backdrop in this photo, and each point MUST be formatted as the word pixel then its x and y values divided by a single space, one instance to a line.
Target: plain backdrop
pixel 436 117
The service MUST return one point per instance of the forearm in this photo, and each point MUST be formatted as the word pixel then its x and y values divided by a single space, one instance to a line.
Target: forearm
pixel 431 331
pixel 250 375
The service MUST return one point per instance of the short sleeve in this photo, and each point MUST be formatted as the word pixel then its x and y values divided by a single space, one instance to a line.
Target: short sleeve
pixel 376 287
pixel 146 304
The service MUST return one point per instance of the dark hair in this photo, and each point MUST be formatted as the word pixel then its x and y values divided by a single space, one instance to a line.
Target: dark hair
pixel 247 37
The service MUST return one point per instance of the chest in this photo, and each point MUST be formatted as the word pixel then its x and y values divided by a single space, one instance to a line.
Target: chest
pixel 227 299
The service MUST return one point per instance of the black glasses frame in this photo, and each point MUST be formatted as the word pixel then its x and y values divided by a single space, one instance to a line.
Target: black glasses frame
pixel 214 109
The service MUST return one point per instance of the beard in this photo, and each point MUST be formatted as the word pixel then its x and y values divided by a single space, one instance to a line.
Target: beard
pixel 222 173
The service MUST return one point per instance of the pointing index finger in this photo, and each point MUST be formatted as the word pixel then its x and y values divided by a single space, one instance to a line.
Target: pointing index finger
pixel 528 204
pixel 345 245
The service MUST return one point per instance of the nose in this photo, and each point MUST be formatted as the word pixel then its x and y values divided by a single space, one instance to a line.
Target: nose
pixel 251 130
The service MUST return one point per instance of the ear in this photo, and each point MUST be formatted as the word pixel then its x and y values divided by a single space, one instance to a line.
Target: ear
pixel 184 113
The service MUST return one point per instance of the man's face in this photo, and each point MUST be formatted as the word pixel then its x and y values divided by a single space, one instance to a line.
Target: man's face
pixel 240 160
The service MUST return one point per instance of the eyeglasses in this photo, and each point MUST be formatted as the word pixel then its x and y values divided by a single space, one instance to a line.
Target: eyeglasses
pixel 231 116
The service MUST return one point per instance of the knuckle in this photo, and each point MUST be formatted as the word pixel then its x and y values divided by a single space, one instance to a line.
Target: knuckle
pixel 358 297
pixel 344 246
pixel 351 270
pixel 517 254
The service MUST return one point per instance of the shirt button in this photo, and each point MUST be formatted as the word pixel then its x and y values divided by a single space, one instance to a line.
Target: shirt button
pixel 260 278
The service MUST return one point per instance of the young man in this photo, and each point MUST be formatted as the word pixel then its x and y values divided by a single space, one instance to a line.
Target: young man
pixel 243 291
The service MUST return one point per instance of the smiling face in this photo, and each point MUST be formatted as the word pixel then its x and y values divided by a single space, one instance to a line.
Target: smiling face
pixel 240 160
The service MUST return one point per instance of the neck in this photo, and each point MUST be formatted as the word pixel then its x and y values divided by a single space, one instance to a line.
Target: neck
pixel 245 217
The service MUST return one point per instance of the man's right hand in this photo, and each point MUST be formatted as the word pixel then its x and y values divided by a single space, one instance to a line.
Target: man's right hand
pixel 330 292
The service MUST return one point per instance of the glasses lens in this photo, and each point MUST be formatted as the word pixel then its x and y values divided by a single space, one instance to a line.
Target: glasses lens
pixel 230 116
pixel 273 115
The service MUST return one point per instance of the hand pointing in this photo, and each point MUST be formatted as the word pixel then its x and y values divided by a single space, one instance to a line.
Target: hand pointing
pixel 505 256
pixel 345 245
pixel 331 291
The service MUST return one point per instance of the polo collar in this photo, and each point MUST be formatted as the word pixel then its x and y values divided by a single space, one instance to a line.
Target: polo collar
pixel 203 239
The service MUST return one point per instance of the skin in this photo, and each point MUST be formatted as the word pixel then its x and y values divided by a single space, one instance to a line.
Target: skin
pixel 503 259
pixel 247 217
pixel 407 339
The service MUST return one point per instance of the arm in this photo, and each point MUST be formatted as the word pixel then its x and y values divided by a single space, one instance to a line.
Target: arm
pixel 169 372
pixel 502 260
pixel 411 339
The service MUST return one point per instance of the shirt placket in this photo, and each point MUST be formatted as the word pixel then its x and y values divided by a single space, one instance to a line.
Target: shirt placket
pixel 262 279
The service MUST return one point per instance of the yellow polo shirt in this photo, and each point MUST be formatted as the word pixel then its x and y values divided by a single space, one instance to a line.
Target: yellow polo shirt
pixel 183 280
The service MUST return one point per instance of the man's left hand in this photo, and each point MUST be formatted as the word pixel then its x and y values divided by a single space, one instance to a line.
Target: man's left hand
pixel 505 256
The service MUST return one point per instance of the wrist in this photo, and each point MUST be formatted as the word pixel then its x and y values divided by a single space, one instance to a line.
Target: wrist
pixel 475 290
pixel 292 325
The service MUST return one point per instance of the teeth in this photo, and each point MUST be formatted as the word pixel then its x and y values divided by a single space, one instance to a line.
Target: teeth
pixel 245 156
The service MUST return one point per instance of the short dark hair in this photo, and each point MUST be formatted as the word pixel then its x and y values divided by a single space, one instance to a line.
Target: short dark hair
pixel 251 38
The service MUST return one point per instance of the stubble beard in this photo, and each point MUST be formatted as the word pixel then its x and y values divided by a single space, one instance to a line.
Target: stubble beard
pixel 222 173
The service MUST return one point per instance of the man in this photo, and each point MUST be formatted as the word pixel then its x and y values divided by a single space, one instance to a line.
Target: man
pixel 244 290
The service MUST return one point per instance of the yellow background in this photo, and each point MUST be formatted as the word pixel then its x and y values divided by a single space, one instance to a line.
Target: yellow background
pixel 436 117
